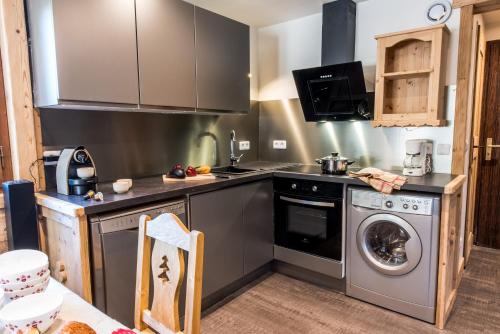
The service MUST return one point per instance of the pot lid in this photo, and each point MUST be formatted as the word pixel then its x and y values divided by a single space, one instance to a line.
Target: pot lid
pixel 334 156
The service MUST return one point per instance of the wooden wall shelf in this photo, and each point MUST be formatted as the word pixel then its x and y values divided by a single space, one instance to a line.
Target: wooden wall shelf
pixel 410 77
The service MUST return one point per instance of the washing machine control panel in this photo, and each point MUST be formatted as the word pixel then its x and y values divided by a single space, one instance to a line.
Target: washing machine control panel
pixel 397 203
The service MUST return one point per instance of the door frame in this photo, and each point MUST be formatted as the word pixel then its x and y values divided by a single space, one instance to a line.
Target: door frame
pixel 5 155
pixel 463 146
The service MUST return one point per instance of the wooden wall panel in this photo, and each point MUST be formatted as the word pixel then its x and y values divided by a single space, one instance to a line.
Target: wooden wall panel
pixel 463 101
pixel 25 135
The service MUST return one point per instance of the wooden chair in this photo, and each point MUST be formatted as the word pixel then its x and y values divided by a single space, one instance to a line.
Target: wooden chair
pixel 166 261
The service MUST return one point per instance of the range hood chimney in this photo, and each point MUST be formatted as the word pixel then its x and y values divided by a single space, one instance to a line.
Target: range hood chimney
pixel 339 32
pixel 335 91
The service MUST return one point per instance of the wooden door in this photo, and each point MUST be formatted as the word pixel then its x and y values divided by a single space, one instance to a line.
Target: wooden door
pixel 488 182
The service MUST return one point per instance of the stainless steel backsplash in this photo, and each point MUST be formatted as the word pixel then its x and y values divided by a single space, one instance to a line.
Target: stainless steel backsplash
pixel 377 147
pixel 141 144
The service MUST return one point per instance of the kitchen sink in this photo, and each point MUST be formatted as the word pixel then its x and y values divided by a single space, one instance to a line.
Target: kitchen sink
pixel 232 170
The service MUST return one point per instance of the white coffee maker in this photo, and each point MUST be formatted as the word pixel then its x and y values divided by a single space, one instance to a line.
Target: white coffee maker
pixel 418 159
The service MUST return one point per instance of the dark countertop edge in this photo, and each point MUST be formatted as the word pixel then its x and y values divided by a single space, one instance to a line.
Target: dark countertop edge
pixel 241 179
pixel 172 194
pixel 434 189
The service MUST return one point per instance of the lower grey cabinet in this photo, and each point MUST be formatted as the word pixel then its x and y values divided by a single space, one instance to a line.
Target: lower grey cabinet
pixel 218 215
pixel 238 227
pixel 258 222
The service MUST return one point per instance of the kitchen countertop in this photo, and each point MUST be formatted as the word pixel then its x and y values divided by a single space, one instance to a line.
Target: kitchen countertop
pixel 152 189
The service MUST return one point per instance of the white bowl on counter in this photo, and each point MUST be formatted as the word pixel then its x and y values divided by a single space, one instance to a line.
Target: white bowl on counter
pixel 10 295
pixel 21 266
pixel 26 285
pixel 127 181
pixel 120 187
pixel 85 172
pixel 35 311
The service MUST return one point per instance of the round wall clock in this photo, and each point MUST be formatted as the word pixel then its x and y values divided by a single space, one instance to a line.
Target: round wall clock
pixel 439 12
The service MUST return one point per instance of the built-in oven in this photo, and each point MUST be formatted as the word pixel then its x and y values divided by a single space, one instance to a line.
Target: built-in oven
pixel 309 228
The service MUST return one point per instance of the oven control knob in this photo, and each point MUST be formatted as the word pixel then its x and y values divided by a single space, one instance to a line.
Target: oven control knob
pixel 294 186
pixel 415 207
pixel 405 206
pixel 389 204
pixel 314 188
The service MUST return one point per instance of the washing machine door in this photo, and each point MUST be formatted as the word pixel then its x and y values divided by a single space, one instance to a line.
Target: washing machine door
pixel 389 244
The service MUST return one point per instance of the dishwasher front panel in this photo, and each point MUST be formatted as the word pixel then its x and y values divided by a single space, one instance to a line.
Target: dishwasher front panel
pixel 114 260
pixel 119 251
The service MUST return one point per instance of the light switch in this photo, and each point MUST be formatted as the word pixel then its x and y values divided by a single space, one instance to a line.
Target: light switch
pixel 279 144
pixel 244 145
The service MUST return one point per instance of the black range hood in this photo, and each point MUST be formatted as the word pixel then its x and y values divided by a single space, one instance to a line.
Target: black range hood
pixel 335 91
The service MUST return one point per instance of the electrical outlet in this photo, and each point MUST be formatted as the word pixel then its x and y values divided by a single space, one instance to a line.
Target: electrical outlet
pixel 244 145
pixel 279 144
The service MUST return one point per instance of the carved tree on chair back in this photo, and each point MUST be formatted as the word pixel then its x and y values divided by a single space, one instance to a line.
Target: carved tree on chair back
pixel 166 262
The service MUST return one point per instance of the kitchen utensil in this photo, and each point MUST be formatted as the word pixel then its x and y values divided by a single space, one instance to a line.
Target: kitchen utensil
pixel 121 187
pixel 22 266
pixel 199 177
pixel 38 311
pixel 128 181
pixel 333 164
pixel 85 172
pixel 10 295
pixel 27 284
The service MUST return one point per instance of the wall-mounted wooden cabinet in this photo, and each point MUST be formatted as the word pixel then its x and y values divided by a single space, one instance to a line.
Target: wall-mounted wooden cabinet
pixel 410 77
pixel 138 55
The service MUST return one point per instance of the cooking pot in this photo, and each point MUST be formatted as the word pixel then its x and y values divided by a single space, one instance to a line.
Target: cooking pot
pixel 333 164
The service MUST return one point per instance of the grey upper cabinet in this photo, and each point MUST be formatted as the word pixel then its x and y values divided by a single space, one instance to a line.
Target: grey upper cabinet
pixel 222 62
pixel 218 215
pixel 258 222
pixel 137 55
pixel 166 51
pixel 95 48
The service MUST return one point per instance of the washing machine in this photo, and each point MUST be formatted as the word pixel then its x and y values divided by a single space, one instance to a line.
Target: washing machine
pixel 392 250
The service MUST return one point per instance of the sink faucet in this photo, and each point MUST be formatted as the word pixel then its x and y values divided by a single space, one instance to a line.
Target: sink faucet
pixel 233 159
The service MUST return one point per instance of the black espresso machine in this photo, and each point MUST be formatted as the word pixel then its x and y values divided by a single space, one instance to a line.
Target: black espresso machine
pixel 76 173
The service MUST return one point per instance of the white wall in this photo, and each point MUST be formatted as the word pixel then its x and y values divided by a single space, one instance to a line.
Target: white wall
pixel 296 44
pixel 285 47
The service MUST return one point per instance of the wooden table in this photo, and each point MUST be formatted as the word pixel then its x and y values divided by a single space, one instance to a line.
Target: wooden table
pixel 76 309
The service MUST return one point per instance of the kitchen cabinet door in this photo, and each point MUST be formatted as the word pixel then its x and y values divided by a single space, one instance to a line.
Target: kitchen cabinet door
pixel 259 228
pixel 166 51
pixel 96 50
pixel 218 215
pixel 222 62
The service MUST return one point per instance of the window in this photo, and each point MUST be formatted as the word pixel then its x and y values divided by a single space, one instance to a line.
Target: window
pixel 5 157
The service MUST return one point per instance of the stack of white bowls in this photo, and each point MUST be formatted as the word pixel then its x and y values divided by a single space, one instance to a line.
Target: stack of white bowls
pixel 22 273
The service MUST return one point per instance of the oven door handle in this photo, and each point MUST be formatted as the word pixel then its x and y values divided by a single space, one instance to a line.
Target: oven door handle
pixel 312 203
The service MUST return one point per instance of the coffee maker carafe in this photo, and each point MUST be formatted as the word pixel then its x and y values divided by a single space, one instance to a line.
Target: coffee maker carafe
pixel 418 159
pixel 76 172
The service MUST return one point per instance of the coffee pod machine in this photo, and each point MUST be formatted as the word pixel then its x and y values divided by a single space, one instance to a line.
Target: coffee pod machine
pixel 76 172
pixel 418 159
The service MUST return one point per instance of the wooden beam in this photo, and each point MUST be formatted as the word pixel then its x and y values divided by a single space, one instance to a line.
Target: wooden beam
pixel 463 90
pixel 25 136
pixel 464 3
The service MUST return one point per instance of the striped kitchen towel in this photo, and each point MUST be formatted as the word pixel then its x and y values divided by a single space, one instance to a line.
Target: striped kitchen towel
pixel 381 181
